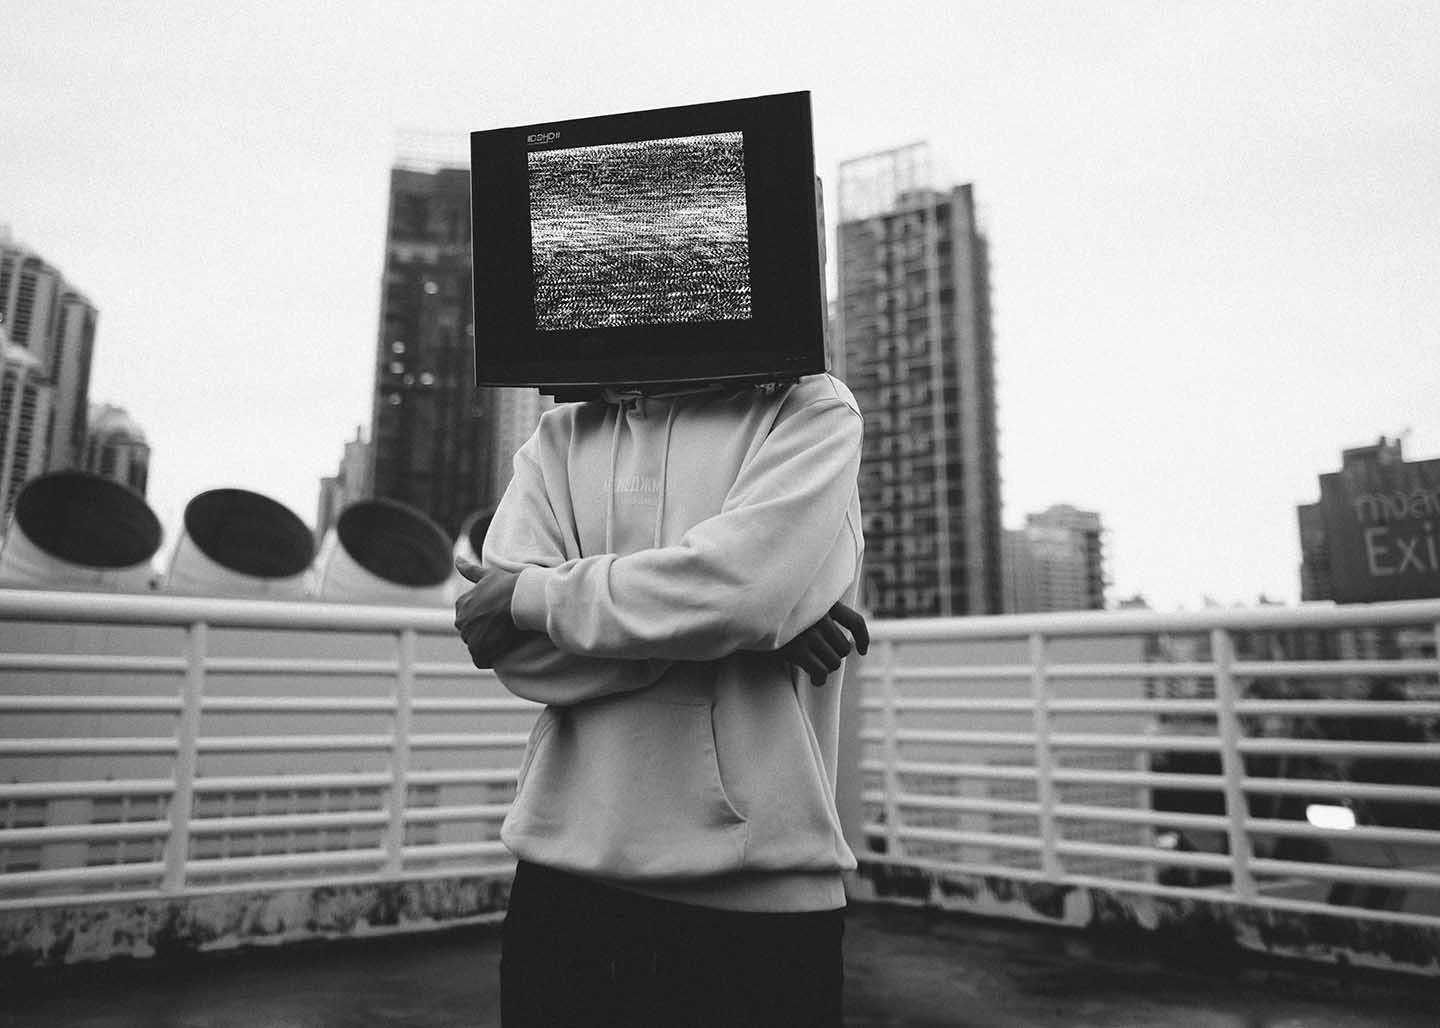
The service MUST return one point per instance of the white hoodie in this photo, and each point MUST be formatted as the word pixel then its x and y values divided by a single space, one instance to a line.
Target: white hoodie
pixel 666 548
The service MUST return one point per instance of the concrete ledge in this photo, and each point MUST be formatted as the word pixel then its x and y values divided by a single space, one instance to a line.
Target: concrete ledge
pixel 1195 929
pixel 46 937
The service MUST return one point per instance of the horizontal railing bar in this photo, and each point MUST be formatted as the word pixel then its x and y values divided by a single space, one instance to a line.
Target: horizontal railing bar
pixel 1140 816
pixel 472 776
pixel 287 822
pixel 1107 707
pixel 914 767
pixel 100 608
pixel 281 783
pixel 1062 775
pixel 474 812
pixel 1339 708
pixel 1344 910
pixel 1011 739
pixel 937 704
pixel 1414 613
pixel 260 885
pixel 1143 854
pixel 89 832
pixel 1343 873
pixel 467 740
pixel 1360 833
pixel 1185 669
pixel 17 880
pixel 63 704
pixel 286 743
pixel 285 861
pixel 452 669
pixel 1009 842
pixel 316 666
pixel 450 851
pixel 77 789
pixel 1343 748
pixel 92 663
pixel 46 902
pixel 88 747
pixel 1348 790
pixel 1332 668
pixel 1176 743
pixel 960 673
pixel 294 704
pixel 1144 779
pixel 1020 874
pixel 920 801
pixel 445 705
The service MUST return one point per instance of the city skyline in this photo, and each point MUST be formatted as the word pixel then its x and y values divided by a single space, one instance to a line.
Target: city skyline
pixel 1214 236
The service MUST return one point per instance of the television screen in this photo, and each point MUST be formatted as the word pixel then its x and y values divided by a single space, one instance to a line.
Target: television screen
pixel 652 247
pixel 640 233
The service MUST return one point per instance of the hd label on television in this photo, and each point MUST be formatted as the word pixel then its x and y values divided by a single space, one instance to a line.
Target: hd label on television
pixel 640 233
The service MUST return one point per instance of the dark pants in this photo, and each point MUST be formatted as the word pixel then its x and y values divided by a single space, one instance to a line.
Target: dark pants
pixel 576 954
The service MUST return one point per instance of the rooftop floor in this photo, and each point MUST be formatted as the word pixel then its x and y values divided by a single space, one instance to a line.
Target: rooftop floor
pixel 905 968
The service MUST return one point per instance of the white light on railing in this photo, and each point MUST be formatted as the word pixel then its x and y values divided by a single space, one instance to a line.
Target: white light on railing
pixel 1324 815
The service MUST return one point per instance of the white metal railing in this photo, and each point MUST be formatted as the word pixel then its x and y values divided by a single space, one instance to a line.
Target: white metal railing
pixel 130 688
pixel 1026 747
pixel 972 753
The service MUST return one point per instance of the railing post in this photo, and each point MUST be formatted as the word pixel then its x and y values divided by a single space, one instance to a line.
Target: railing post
pixel 400 753
pixel 1044 759
pixel 1232 763
pixel 182 795
pixel 890 749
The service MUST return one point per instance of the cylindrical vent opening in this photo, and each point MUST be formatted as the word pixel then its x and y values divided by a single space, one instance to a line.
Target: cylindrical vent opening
pixel 89 520
pixel 395 542
pixel 249 533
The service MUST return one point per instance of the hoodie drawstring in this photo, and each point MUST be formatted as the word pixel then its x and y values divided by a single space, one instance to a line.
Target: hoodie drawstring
pixel 610 502
pixel 664 474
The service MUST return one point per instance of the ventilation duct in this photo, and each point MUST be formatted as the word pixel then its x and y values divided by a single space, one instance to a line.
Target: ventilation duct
pixel 383 551
pixel 239 543
pixel 74 530
pixel 468 544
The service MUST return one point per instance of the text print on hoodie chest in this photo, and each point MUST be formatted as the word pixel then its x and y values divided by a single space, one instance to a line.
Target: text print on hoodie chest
pixel 664 473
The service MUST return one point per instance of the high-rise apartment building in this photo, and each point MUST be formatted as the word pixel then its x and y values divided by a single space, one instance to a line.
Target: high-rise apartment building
pixel 1056 562
pixel 24 411
pixel 916 349
pixel 53 321
pixel 432 434
pixel 49 338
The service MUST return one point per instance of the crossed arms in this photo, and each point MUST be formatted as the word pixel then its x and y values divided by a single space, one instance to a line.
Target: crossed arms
pixel 763 574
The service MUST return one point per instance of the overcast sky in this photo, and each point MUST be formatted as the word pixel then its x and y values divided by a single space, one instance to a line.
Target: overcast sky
pixel 1215 227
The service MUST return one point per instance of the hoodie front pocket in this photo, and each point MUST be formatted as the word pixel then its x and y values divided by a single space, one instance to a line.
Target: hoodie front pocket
pixel 627 788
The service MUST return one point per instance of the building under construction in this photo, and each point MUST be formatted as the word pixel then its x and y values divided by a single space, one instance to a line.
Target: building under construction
pixel 916 349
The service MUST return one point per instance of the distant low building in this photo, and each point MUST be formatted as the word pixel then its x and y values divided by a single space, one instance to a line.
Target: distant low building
pixel 116 448
pixel 350 483
pixel 1374 534
pixel 1056 562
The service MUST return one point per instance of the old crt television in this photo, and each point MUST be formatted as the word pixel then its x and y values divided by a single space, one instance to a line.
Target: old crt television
pixel 648 249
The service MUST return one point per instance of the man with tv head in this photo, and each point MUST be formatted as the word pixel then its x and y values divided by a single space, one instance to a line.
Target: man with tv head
pixel 671 569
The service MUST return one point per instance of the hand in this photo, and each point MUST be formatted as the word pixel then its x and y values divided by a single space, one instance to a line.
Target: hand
pixel 819 649
pixel 482 614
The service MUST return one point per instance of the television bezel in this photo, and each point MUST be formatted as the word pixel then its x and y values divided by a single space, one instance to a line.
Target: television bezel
pixel 783 339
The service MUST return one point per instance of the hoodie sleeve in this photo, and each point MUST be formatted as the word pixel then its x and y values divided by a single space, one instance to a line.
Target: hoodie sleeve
pixel 526 532
pixel 741 580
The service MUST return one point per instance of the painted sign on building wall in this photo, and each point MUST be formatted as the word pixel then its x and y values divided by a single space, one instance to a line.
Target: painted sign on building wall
pixel 1382 519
